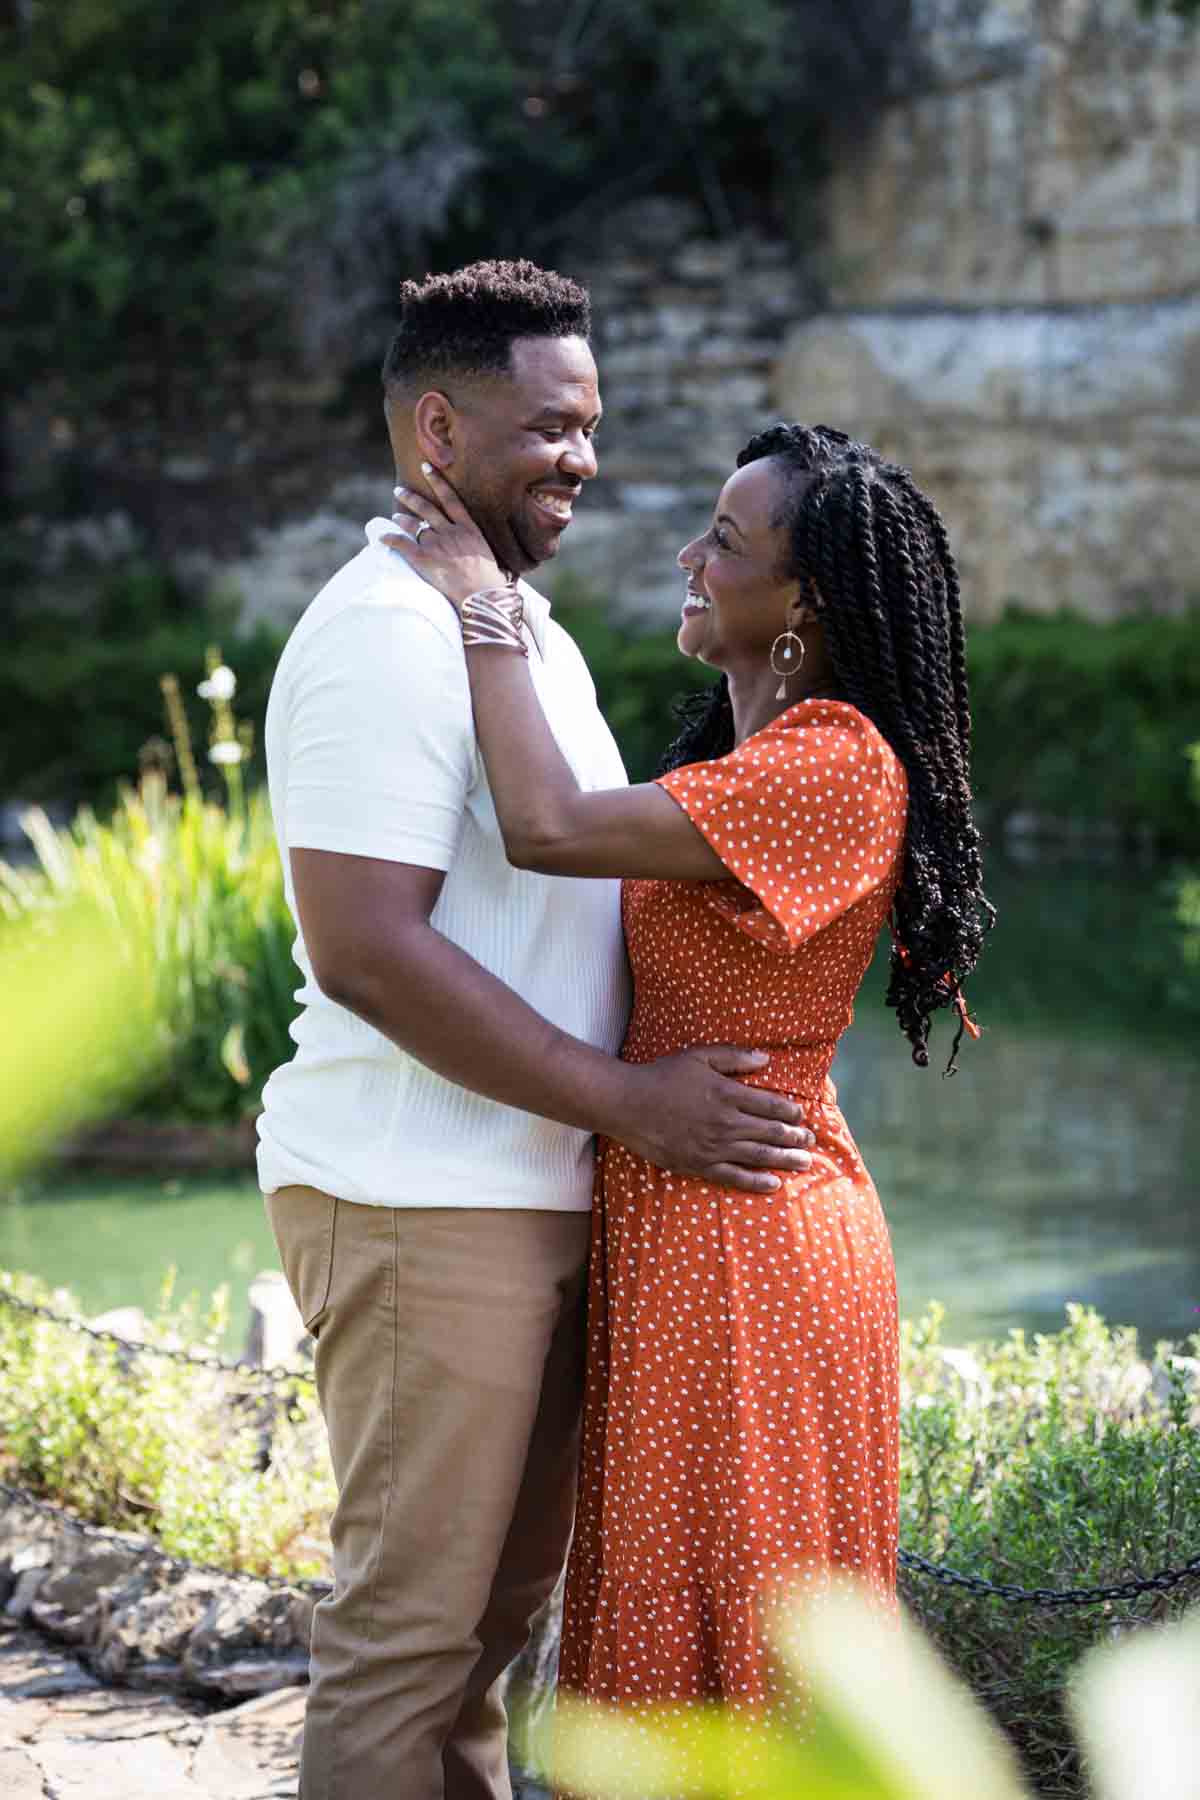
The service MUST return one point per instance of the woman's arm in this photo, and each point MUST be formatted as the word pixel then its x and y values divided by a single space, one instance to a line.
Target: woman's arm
pixel 548 823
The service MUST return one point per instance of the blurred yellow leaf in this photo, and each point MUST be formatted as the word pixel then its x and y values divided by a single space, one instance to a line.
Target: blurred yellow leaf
pixel 74 1025
pixel 233 1055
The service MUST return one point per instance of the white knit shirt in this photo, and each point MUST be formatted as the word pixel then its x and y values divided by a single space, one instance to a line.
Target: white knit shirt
pixel 371 751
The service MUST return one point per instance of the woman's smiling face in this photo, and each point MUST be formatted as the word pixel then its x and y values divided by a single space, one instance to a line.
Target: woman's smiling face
pixel 738 593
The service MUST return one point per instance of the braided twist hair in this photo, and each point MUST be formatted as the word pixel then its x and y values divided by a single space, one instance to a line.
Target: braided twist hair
pixel 883 581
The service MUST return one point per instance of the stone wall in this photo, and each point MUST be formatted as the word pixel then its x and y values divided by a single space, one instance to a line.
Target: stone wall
pixel 1055 161
pixel 1013 266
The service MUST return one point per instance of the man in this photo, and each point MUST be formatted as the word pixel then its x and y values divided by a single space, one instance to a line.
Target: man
pixel 427 1153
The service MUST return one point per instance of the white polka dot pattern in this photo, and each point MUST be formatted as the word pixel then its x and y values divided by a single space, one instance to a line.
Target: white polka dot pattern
pixel 741 1414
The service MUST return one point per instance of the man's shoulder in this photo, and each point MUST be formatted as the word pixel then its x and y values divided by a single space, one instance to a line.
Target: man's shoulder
pixel 373 596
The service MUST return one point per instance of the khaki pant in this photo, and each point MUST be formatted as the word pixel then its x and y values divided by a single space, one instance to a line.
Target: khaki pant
pixel 449 1353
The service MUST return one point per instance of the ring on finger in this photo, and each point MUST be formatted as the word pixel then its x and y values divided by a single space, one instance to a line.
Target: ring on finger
pixel 423 526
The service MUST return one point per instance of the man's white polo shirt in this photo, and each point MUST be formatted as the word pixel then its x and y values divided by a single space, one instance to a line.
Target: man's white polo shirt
pixel 371 751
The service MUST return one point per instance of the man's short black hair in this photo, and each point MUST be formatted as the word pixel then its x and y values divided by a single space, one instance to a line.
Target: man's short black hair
pixel 464 323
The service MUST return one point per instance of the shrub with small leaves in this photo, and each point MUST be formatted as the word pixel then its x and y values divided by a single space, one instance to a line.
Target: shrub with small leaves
pixel 216 1470
pixel 1065 1461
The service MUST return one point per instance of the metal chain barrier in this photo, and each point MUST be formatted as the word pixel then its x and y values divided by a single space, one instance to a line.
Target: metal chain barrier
pixel 153 1551
pixel 201 1359
pixel 1160 1583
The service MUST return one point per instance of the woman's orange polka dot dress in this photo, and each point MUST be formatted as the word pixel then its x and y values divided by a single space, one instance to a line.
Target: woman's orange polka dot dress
pixel 740 1424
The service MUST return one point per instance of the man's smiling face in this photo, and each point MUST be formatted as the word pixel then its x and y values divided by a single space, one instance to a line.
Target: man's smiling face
pixel 523 447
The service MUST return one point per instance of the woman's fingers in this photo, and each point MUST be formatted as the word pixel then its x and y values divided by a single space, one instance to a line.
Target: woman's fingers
pixel 404 536
pixel 420 506
pixel 446 494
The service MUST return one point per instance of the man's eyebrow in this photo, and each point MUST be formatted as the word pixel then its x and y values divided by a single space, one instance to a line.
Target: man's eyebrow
pixel 551 411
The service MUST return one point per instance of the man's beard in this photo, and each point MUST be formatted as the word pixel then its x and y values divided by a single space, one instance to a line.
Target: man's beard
pixel 503 538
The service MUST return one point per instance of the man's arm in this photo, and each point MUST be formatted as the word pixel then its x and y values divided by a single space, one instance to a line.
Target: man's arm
pixel 366 926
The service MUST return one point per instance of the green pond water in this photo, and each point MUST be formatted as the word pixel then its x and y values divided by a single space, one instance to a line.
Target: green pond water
pixel 1061 1163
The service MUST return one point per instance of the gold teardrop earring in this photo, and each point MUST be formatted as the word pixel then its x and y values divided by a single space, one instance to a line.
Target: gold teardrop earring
pixel 790 657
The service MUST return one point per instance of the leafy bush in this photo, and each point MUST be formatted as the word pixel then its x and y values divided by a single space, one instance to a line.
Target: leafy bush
pixel 197 891
pixel 1089 721
pixel 176 182
pixel 1188 894
pixel 1062 1463
pixel 79 691
pixel 149 1445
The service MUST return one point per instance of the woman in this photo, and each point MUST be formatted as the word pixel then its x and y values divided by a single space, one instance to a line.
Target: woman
pixel 740 1429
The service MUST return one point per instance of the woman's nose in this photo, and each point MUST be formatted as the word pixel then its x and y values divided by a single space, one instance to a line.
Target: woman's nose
pixel 687 558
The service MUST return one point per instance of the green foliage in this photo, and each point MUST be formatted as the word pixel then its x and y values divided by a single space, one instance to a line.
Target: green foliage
pixel 146 152
pixel 1188 893
pixel 197 894
pixel 1055 1463
pixel 1050 965
pixel 79 690
pixel 182 188
pixel 1088 721
pixel 153 1446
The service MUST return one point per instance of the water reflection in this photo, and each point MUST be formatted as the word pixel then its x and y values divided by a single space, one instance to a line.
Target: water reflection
pixel 1051 1168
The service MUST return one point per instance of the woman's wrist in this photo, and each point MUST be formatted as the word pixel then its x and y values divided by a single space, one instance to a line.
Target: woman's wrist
pixel 494 617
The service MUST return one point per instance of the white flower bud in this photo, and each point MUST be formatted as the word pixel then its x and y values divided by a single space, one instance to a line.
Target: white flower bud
pixel 225 752
pixel 221 685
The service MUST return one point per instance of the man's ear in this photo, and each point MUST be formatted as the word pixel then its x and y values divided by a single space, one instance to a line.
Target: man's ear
pixel 435 422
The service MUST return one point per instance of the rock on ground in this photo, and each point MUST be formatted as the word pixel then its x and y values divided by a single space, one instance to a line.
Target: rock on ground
pixel 66 1736
pixel 63 1734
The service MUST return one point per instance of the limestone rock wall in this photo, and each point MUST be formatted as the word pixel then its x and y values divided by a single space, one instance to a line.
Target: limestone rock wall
pixel 1062 448
pixel 1055 161
pixel 1013 266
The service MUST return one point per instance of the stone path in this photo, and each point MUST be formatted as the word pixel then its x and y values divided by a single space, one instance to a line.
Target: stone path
pixel 64 1736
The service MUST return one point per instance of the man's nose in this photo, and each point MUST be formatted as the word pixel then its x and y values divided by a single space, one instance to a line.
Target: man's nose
pixel 687 558
pixel 579 459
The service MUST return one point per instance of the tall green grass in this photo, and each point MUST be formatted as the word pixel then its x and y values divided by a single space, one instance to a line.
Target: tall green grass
pixel 195 889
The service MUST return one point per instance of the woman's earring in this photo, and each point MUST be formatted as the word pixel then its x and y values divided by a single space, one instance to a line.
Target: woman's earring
pixel 791 657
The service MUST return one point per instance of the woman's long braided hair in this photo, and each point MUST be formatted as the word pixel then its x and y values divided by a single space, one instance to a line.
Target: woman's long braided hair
pixel 883 581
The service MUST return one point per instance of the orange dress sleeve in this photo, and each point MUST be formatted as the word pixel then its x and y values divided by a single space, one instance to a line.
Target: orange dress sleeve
pixel 807 815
